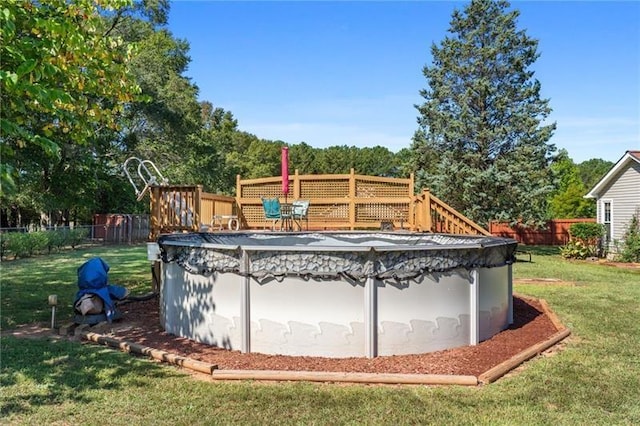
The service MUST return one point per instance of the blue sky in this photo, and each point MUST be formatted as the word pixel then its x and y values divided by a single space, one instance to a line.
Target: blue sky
pixel 349 73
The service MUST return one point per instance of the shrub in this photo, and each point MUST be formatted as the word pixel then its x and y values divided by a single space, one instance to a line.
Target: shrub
pixel 584 241
pixel 38 241
pixel 27 244
pixel 18 244
pixel 77 236
pixel 575 249
pixel 3 244
pixel 630 251
pixel 58 238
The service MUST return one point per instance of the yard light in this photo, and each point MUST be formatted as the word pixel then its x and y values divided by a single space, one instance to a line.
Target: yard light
pixel 53 302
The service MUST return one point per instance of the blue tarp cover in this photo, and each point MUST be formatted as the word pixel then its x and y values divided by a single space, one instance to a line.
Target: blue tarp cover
pixel 93 279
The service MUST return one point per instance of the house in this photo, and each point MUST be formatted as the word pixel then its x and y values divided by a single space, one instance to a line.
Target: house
pixel 617 196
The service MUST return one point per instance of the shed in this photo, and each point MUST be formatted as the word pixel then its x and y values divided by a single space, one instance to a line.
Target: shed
pixel 617 196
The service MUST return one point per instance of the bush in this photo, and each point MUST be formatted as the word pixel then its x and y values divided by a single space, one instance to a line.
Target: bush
pixel 38 242
pixel 58 238
pixel 586 231
pixel 575 249
pixel 585 239
pixel 21 244
pixel 18 244
pixel 630 251
pixel 3 244
pixel 77 236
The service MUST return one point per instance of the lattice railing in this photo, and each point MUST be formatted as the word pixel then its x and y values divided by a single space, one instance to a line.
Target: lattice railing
pixel 336 202
pixel 342 201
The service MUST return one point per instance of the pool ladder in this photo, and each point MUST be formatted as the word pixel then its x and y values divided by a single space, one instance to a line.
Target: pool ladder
pixel 148 174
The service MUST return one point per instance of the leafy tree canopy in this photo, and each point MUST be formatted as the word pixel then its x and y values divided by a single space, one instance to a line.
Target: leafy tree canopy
pixel 481 145
pixel 63 78
pixel 165 125
pixel 591 171
pixel 86 84
pixel 567 201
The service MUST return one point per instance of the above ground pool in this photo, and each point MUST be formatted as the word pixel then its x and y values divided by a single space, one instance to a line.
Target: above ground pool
pixel 335 294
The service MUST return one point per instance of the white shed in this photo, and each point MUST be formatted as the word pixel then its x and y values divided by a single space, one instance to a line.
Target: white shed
pixel 618 197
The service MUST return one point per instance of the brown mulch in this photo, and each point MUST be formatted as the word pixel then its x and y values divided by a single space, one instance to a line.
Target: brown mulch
pixel 140 324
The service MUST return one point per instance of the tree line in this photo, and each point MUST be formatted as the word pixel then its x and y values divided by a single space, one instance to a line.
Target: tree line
pixel 87 84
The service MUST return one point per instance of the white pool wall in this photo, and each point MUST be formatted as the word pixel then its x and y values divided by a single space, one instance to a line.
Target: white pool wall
pixel 336 317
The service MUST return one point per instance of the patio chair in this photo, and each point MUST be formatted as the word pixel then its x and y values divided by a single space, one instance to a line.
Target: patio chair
pixel 299 209
pixel 271 207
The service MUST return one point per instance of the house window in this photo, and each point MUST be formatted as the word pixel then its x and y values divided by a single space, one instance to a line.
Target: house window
pixel 606 220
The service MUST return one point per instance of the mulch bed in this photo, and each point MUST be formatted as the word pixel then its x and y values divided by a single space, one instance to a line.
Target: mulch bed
pixel 140 324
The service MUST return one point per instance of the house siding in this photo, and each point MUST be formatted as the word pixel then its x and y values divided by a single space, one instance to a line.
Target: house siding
pixel 624 194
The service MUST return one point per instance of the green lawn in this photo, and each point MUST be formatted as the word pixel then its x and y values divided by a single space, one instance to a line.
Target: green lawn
pixel 595 380
pixel 27 283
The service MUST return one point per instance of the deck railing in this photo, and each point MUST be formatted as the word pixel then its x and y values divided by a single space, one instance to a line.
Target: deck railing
pixel 342 201
pixel 185 208
pixel 434 215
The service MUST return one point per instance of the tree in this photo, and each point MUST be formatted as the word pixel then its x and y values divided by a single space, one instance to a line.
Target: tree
pixel 373 161
pixel 217 118
pixel 480 145
pixel 591 171
pixel 165 126
pixel 260 158
pixel 377 161
pixel 64 79
pixel 568 201
pixel 68 165
pixel 303 157
pixel 404 159
pixel 218 136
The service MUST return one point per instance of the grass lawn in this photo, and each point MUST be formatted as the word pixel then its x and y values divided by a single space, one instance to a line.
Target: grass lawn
pixel 594 380
pixel 27 283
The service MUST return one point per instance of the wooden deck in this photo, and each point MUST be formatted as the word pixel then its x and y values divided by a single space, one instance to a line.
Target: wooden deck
pixel 337 202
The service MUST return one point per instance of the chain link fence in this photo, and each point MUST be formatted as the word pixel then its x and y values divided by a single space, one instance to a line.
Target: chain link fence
pixel 106 229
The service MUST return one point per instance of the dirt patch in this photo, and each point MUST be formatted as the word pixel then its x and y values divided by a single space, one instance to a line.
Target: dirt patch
pixel 621 265
pixel 544 281
pixel 32 331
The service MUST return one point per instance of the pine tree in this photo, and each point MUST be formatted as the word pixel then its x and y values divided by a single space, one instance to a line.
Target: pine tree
pixel 481 145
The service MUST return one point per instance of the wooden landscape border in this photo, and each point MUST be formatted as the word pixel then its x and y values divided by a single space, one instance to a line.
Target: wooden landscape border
pixel 212 370
pixel 504 367
pixel 191 364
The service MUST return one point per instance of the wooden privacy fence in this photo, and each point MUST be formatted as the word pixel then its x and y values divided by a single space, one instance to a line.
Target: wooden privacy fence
pixel 340 201
pixel 554 233
pixel 120 228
